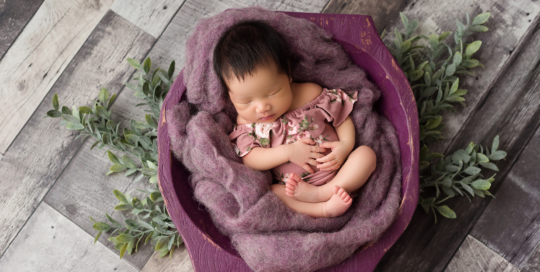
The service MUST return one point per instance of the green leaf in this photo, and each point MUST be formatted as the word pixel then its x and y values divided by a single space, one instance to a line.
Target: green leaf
pixel 454 87
pixel 457 58
pixel 444 35
pixel 151 165
pixel 405 46
pixel 122 207
pixel 128 161
pixel 150 120
pixel 113 157
pixel 130 172
pixel 481 158
pixel 121 197
pixel 472 48
pixel 101 226
pixel 133 87
pixel 471 170
pixel 145 225
pixel 468 188
pixel 74 126
pixel 447 182
pixel 404 20
pixel 429 91
pixel 123 250
pixel 113 97
pixel 147 64
pixel 171 69
pixel 137 203
pixel 97 236
pixel 481 18
pixel 55 102
pixel 171 242
pixel 161 242
pixel 446 211
pixel 54 114
pixel 479 28
pixel 103 95
pixel 154 195
pixel 153 179
pixel 102 112
pixel 497 155
pixel 433 122
pixel 481 184
pixel 490 165
pixel 451 168
pixel 66 110
pixel 85 110
pixel 434 41
pixel 134 63
pixel 495 144
pixel 117 168
pixel 450 69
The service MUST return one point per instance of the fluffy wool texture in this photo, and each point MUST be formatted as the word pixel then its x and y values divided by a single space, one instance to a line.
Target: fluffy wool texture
pixel 267 234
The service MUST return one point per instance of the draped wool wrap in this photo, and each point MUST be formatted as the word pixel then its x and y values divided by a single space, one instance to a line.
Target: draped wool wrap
pixel 267 234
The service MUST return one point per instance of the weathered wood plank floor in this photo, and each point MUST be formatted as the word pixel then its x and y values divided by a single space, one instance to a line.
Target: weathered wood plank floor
pixel 51 183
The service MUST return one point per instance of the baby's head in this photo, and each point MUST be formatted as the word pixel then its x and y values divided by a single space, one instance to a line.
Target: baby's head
pixel 252 61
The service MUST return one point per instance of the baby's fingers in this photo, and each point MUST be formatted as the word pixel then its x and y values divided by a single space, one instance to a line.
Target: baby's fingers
pixel 307 140
pixel 327 158
pixel 307 168
pixel 328 166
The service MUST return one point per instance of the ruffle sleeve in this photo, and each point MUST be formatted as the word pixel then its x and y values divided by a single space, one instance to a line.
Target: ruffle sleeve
pixel 246 137
pixel 337 105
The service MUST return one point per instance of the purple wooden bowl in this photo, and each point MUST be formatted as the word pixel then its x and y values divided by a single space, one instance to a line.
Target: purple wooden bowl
pixel 210 250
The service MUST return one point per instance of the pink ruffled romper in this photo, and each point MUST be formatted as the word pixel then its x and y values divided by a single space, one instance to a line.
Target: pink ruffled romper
pixel 311 120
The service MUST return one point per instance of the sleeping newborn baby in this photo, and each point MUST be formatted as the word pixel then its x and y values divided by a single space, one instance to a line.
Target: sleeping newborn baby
pixel 302 132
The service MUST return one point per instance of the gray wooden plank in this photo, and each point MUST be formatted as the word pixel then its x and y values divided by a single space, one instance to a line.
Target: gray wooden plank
pixel 533 263
pixel 382 12
pixel 39 55
pixel 171 44
pixel 179 262
pixel 44 148
pixel 14 15
pixel 50 242
pixel 510 223
pixel 150 16
pixel 475 256
pixel 510 109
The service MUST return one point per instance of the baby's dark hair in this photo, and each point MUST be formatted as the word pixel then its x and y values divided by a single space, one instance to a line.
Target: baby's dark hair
pixel 248 45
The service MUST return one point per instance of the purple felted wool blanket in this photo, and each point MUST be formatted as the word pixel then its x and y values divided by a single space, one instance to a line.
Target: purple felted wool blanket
pixel 268 235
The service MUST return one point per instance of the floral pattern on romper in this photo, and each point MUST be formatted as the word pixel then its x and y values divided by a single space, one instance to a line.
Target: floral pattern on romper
pixel 315 120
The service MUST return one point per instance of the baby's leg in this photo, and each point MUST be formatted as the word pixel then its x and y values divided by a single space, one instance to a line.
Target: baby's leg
pixel 352 175
pixel 337 205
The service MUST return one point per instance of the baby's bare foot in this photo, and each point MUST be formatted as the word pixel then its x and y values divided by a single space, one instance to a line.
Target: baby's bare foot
pixel 302 190
pixel 338 204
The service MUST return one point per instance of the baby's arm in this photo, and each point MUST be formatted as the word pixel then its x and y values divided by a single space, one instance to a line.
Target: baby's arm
pixel 301 152
pixel 345 132
pixel 266 158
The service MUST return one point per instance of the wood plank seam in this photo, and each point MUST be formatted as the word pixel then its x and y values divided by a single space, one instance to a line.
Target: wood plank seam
pixel 508 64
pixel 39 203
pixel 18 34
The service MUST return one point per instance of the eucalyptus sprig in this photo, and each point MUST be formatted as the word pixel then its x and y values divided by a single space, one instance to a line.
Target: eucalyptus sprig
pixel 139 142
pixel 431 68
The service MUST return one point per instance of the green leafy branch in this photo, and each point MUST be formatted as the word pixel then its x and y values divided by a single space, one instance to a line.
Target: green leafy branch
pixel 432 71
pixel 139 142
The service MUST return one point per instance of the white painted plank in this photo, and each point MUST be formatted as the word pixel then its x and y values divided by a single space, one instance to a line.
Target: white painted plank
pixel 50 242
pixel 179 262
pixel 42 150
pixel 38 57
pixel 152 16
pixel 475 256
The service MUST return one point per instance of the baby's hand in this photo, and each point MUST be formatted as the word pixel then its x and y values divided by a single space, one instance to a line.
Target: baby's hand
pixel 303 152
pixel 334 160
